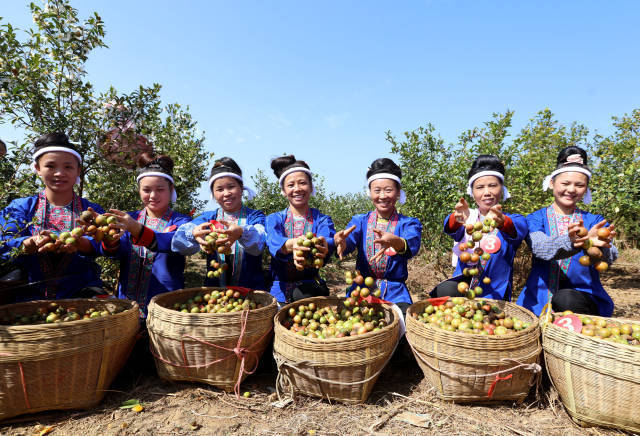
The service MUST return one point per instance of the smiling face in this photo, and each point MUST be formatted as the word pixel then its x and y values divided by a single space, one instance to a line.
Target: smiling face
pixel 155 193
pixel 487 192
pixel 297 188
pixel 227 191
pixel 569 188
pixel 384 194
pixel 58 170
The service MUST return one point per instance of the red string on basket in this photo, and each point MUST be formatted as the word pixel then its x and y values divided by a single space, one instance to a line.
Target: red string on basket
pixel 24 383
pixel 238 351
pixel 495 382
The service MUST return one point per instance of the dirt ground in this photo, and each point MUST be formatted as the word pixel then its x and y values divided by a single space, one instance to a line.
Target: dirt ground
pixel 402 402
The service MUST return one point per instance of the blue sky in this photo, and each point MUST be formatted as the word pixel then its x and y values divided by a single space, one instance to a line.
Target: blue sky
pixel 325 80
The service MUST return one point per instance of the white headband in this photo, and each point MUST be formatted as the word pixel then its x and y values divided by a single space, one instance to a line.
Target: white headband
pixel 293 170
pixel 403 196
pixel 53 148
pixel 174 194
pixel 250 192
pixel 505 191
pixel 546 183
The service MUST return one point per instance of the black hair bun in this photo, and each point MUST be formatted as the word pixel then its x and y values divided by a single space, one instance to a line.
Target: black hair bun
pixel 225 165
pixel 384 165
pixel 164 162
pixel 572 155
pixel 486 162
pixel 281 164
pixel 55 139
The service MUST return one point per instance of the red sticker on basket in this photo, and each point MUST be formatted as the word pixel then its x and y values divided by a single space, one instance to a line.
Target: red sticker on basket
pixel 490 244
pixel 569 322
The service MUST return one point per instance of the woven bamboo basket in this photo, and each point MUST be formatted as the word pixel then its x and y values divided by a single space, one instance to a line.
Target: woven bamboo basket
pixel 466 367
pixel 63 365
pixel 598 381
pixel 199 347
pixel 336 369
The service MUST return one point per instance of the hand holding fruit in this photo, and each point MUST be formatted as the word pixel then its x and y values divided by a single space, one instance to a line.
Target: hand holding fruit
pixel 124 222
pixel 495 214
pixel 340 240
pixel 232 230
pixel 602 236
pixel 211 240
pixel 100 227
pixel 461 211
pixel 308 250
pixel 200 232
pixel 386 240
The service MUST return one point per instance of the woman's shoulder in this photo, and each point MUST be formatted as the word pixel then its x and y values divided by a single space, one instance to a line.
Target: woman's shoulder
pixel 408 219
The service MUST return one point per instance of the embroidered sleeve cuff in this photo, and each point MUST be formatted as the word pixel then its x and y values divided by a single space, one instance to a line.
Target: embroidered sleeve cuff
pixel 508 227
pixel 452 225
pixel 145 238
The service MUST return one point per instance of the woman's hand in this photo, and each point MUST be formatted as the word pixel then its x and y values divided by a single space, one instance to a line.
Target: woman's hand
pixel 461 211
pixel 200 232
pixel 34 244
pixel 232 230
pixel 579 241
pixel 495 213
pixel 125 222
pixel 299 253
pixel 386 240
pixel 340 239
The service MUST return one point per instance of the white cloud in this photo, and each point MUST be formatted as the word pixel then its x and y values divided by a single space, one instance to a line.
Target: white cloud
pixel 337 120
pixel 279 120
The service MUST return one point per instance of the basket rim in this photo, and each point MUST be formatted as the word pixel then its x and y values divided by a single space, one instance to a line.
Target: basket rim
pixel 535 324
pixel 25 328
pixel 279 327
pixel 168 311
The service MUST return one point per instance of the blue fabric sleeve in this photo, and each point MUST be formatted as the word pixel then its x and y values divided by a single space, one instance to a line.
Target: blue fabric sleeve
pixel 456 235
pixel 521 227
pixel 326 229
pixel 276 236
pixel 355 236
pixel 164 240
pixel 254 234
pixel 183 241
pixel 412 233
pixel 17 214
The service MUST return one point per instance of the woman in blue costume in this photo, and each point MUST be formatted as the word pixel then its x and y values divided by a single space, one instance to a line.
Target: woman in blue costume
pixel 291 279
pixel 557 246
pixel 384 238
pixel 244 229
pixel 61 270
pixel 148 267
pixel 486 186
